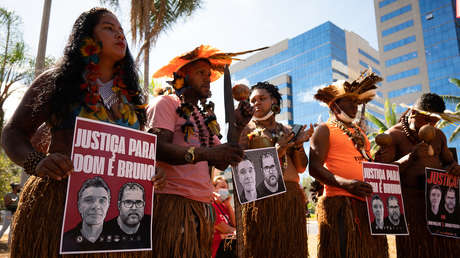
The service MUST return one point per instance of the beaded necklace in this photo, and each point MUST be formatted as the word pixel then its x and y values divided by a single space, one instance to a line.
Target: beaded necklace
pixel 187 110
pixel 409 133
pixel 356 137
pixel 275 134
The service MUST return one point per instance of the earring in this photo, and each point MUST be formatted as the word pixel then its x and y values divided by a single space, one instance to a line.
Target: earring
pixel 275 108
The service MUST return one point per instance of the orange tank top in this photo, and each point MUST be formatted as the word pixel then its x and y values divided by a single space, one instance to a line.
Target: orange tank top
pixel 343 159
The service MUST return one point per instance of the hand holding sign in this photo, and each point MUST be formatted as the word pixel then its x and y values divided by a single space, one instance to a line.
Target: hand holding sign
pixel 357 187
pixel 56 166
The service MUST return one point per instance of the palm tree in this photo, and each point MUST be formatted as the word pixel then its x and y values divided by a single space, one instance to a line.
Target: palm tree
pixel 456 101
pixel 149 18
pixel 382 126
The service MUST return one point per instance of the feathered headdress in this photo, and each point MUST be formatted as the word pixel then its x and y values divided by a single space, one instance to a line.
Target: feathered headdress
pixel 448 116
pixel 362 88
pixel 216 58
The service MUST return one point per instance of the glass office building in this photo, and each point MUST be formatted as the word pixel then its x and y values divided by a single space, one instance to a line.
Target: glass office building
pixel 301 65
pixel 419 49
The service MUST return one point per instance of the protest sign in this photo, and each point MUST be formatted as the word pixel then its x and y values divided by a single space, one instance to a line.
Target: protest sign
pixel 385 206
pixel 259 175
pixel 442 203
pixel 109 193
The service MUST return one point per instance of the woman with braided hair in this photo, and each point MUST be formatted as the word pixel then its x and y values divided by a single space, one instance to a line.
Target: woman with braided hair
pixel 275 226
pixel 96 79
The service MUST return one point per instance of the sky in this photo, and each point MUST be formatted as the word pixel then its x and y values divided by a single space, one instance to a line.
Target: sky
pixel 230 25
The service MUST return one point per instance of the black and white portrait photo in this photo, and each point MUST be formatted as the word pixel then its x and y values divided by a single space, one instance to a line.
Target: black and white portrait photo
pixel 259 175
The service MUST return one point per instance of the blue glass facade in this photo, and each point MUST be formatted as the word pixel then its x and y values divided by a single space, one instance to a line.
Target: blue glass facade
pixel 308 63
pixel 365 65
pixel 395 13
pixel 362 52
pixel 401 59
pixel 386 2
pixel 399 43
pixel 442 42
pixel 406 90
pixel 397 28
pixel 403 74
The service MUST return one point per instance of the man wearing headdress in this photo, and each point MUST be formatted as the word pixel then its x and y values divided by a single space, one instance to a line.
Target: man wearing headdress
pixel 412 155
pixel 187 146
pixel 338 148
pixel 275 226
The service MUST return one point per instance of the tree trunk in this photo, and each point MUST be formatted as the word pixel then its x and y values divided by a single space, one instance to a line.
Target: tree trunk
pixel 146 49
pixel 40 61
pixel 146 67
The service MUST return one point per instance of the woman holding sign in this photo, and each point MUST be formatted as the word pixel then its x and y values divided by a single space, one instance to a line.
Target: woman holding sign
pixel 275 226
pixel 96 79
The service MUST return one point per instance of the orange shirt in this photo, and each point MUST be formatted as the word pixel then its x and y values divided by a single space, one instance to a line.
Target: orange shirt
pixel 343 159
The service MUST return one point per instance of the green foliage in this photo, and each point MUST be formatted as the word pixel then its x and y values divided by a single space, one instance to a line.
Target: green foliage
pixel 13 59
pixel 455 100
pixel 9 172
pixel 390 120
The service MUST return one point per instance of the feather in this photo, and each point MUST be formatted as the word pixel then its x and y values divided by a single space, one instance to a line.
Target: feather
pixel 231 55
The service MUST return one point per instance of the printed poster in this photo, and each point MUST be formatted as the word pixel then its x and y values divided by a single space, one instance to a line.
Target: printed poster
pixel 442 203
pixel 259 175
pixel 109 194
pixel 385 206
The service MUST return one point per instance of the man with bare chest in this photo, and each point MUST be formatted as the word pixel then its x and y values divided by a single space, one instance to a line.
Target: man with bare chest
pixel 412 155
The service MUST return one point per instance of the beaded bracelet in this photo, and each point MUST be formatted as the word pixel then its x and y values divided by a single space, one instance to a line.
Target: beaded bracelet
pixel 32 160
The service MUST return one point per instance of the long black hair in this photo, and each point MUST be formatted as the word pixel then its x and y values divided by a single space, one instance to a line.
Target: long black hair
pixel 63 86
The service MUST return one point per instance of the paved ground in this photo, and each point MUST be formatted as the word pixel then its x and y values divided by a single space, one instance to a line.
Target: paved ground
pixel 312 229
pixel 4 245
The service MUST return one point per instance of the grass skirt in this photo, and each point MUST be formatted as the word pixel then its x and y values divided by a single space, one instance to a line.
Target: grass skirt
pixel 353 214
pixel 276 226
pixel 37 223
pixel 181 227
pixel 420 243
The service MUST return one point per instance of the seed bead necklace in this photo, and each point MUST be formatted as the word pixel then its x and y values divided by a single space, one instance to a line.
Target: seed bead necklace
pixel 356 137
pixel 409 133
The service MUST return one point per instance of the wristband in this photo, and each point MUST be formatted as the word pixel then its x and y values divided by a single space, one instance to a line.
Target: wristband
pixel 32 160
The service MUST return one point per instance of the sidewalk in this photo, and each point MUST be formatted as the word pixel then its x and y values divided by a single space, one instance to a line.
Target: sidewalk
pixel 4 245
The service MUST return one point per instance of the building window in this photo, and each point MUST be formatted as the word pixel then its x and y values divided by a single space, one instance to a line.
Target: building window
pixel 397 28
pixel 365 65
pixel 402 75
pixel 398 43
pixel 385 3
pixel 395 13
pixel 339 72
pixel 429 16
pixel 403 91
pixel 368 56
pixel 401 59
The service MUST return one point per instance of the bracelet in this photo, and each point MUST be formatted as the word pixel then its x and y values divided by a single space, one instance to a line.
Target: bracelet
pixel 32 160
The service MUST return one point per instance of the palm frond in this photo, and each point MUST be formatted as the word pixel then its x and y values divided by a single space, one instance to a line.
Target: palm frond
pixel 393 115
pixel 390 117
pixel 442 123
pixel 376 121
pixel 451 99
pixel 455 81
pixel 454 134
